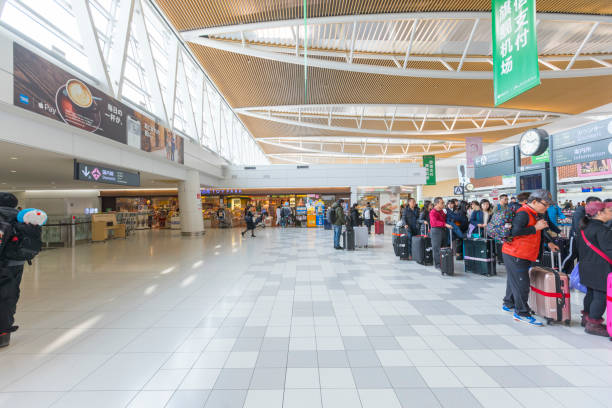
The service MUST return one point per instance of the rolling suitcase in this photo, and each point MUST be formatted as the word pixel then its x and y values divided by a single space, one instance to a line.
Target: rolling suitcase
pixel 447 261
pixel 479 256
pixel 550 292
pixel 405 247
pixel 398 233
pixel 422 252
pixel 361 237
pixel 379 227
pixel 348 240
pixel 609 306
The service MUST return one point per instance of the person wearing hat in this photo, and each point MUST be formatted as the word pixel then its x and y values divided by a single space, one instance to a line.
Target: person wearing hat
pixel 10 275
pixel 520 253
pixel 595 253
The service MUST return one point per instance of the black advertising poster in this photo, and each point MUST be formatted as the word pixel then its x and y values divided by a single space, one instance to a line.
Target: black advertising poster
pixel 107 175
pixel 43 88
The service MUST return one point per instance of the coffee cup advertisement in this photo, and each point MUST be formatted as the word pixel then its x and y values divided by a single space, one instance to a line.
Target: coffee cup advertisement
pixel 46 89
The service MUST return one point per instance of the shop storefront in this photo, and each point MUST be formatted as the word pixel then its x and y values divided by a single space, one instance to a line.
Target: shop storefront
pixel 154 208
pixel 307 205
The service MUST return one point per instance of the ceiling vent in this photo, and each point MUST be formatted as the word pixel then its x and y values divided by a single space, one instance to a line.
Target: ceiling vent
pixel 250 168
pixel 303 167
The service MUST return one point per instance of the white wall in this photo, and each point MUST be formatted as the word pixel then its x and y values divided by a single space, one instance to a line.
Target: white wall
pixel 333 175
pixel 60 202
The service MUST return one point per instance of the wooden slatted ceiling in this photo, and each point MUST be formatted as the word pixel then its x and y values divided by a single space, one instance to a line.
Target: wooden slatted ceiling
pixel 194 14
pixel 246 81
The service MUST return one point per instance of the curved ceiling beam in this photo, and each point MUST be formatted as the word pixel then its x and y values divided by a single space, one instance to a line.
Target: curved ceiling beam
pixel 311 125
pixel 391 71
pixel 190 35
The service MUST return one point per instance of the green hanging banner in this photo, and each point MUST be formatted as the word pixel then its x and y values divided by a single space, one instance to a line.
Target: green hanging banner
pixel 429 162
pixel 515 48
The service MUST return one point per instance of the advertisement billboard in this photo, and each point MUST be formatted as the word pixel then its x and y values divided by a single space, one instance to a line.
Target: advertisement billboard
pixel 45 89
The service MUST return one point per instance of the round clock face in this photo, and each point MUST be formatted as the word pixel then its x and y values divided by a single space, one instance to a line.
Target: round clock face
pixel 530 142
pixel 469 187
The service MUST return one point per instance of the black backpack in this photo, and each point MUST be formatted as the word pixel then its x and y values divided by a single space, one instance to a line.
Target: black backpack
pixel 331 215
pixel 24 244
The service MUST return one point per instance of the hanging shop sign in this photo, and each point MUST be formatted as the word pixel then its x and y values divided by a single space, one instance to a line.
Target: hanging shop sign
pixel 515 49
pixel 106 175
pixel 429 163
pixel 43 88
pixel 221 191
pixel 498 163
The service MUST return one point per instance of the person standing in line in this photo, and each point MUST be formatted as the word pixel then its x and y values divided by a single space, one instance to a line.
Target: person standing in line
pixel 424 217
pixel 520 254
pixel 609 223
pixel 437 220
pixel 339 221
pixel 250 221
pixel 595 249
pixel 555 214
pixel 368 217
pixel 503 203
pixel 579 213
pixel 410 217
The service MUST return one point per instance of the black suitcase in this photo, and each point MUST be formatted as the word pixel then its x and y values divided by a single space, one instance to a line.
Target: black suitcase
pixel 348 240
pixel 404 246
pixel 447 261
pixel 421 250
pixel 479 256
pixel 398 232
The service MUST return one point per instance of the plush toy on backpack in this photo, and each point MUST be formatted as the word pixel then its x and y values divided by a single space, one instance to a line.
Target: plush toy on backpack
pixel 32 216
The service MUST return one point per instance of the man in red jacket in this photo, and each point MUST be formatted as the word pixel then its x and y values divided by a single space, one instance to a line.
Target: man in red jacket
pixel 520 253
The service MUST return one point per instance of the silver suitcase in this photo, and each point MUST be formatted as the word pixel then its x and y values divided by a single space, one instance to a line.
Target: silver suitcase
pixel 361 237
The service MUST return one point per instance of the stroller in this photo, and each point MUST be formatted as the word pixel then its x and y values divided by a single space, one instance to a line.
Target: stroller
pixel 224 221
pixel 259 223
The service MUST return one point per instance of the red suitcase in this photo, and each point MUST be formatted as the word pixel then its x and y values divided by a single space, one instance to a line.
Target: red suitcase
pixel 379 227
pixel 550 296
pixel 609 311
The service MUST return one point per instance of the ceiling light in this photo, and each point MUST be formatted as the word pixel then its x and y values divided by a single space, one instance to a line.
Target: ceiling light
pixel 14 158
pixel 13 171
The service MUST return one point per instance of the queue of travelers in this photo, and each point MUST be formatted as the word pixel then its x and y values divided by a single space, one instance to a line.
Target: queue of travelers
pixel 535 226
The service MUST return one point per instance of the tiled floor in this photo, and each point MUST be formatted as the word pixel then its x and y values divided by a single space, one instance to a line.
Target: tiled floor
pixel 282 320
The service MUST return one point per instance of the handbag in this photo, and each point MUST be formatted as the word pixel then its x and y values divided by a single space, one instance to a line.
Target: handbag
pixel 594 248
pixel 575 280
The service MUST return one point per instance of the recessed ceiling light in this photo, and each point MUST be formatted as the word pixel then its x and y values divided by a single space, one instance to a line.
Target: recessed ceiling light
pixel 14 158
pixel 13 171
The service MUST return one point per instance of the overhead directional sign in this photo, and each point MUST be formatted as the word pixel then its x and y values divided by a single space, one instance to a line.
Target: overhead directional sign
pixel 99 174
pixel 515 49
pixel 583 144
pixel 498 163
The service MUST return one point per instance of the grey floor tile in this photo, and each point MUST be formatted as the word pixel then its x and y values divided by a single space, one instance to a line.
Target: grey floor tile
pixel 467 342
pixel 275 344
pixel 456 398
pixel 405 377
pixel 248 344
pixel 234 379
pixel 494 342
pixel 270 359
pixel 332 359
pixel 543 376
pixel 404 330
pixel 253 331
pixel 363 358
pixel 188 399
pixel 417 398
pixel 377 331
pixel 228 332
pixel 393 320
pixel 268 379
pixel 226 399
pixel 356 343
pixel 370 377
pixel 509 377
pixel 384 343
pixel 302 359
pixel 416 320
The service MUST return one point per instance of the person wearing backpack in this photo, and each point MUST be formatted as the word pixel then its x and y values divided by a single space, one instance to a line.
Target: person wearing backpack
pixel 368 217
pixel 595 252
pixel 337 220
pixel 19 243
pixel 250 221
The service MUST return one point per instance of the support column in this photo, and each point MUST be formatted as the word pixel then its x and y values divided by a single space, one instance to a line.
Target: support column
pixel 354 196
pixel 190 204
pixel 419 193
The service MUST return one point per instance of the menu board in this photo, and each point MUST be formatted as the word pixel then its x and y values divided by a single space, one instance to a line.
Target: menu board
pixel 44 88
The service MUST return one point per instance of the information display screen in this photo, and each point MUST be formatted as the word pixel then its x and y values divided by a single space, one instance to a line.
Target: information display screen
pixel 531 182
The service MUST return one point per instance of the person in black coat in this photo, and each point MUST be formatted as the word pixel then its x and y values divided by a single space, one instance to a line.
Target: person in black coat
pixel 424 217
pixel 568 262
pixel 250 221
pixel 595 252
pixel 355 217
pixel 368 216
pixel 411 217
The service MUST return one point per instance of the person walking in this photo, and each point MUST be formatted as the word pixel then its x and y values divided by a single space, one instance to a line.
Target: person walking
pixel 250 221
pixel 368 217
pixel 520 253
pixel 595 251
pixel 437 220
pixel 338 221
pixel 278 215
